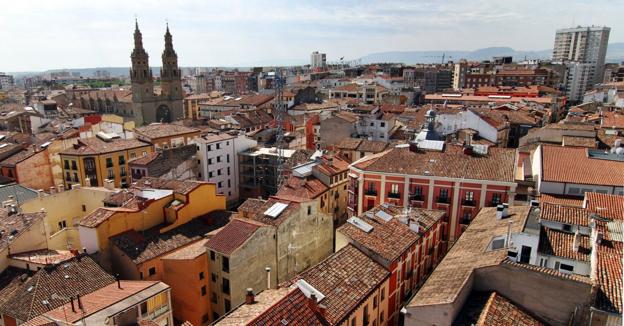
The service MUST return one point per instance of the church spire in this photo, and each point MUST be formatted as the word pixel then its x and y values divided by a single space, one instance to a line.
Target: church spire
pixel 138 38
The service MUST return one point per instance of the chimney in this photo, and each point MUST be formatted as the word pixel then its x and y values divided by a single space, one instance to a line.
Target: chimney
pixel 75 186
pixel 79 302
pixel 71 299
pixel 87 182
pixel 505 210
pixel 249 296
pixel 40 193
pixel 60 187
pixel 118 281
pixel 577 241
pixel 268 270
pixel 313 300
pixel 52 190
pixel 499 212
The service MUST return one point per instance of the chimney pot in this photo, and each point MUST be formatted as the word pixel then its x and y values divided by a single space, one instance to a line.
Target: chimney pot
pixel 499 212
pixel 249 297
pixel 71 299
pixel 79 302
pixel 118 281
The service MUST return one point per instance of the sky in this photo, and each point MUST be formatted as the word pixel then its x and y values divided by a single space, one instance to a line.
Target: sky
pixel 37 35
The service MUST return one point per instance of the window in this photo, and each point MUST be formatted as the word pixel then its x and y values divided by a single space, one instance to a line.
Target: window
pixel 220 184
pixel 132 155
pixel 209 161
pixel 205 318
pixel 111 174
pixel 210 174
pixel 381 317
pixel 213 277
pixel 309 210
pixel 225 264
pixel 218 145
pixel 213 297
pixel 201 275
pixel 566 267
pixel 382 124
pixel 444 193
pixel 84 208
pixel 67 176
pixel 469 196
pixel 496 199
pixel 354 321
pixel 209 147
pixel 143 308
pixel 212 255
pixel 215 315
pixel 383 293
pixel 375 302
pixel 497 243
pixel 74 166
pixel 219 159
pixel 66 165
pixel 109 162
pixel 228 170
pixel 395 188
pixel 225 286
pixel 227 305
pixel 62 224
pixel 152 271
pixel 122 160
pixel 557 265
pixel 203 290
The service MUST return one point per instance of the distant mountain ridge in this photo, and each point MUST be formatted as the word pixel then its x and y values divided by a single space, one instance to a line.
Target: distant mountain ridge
pixel 615 54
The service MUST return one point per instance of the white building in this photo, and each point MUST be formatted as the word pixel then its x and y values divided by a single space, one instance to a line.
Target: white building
pixel 578 79
pixel 218 161
pixel 6 81
pixel 318 60
pixel 583 45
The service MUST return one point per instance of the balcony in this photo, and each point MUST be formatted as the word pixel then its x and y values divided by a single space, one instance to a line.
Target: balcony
pixel 395 195
pixel 443 200
pixel 370 192
pixel 468 202
pixel 417 197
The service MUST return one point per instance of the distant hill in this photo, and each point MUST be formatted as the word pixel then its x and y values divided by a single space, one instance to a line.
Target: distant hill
pixel 615 53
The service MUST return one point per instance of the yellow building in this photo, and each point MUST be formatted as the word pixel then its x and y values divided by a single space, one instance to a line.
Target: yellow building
pixel 63 212
pixel 191 103
pixel 93 161
pixel 151 203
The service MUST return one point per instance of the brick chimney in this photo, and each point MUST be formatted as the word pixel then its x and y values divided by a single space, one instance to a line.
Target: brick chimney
pixel 249 296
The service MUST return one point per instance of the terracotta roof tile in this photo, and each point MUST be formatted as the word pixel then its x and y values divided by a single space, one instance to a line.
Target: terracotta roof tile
pixel 293 308
pixel 232 235
pixel 609 276
pixel 344 278
pixel 372 146
pixel 573 165
pixel 83 276
pixel 12 226
pixel 564 214
pixel 611 206
pixel 497 165
pixel 245 313
pixel 560 200
pixel 501 312
pixel 159 130
pixel 391 239
pixel 349 143
pixel 301 189
pixel 149 244
pixel 558 243
pixel 96 146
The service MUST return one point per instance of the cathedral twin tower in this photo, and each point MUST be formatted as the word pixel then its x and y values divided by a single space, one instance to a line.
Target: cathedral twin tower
pixel 148 106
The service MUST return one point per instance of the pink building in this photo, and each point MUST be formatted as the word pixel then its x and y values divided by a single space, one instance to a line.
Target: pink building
pixel 459 180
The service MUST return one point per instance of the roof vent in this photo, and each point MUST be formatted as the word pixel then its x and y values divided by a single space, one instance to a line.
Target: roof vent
pixel 384 216
pixel 308 290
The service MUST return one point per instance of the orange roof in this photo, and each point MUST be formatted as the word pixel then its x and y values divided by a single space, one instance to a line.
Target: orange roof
pixel 611 206
pixel 301 189
pixel 499 311
pixel 561 200
pixel 573 165
pixel 233 235
pixel 565 214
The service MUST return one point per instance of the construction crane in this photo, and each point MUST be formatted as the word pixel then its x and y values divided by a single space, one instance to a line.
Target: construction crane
pixel 279 112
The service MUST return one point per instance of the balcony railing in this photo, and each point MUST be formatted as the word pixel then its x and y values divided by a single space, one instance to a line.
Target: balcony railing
pixel 468 202
pixel 370 192
pixel 417 197
pixel 394 194
pixel 442 200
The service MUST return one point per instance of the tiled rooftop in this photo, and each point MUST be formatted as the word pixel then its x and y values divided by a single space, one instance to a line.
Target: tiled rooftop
pixel 499 311
pixel 301 189
pixel 610 206
pixel 43 256
pixel 561 200
pixel 245 313
pixel 390 239
pixel 609 276
pixel 558 243
pixel 294 309
pixel 191 251
pixel 233 235
pixel 344 278
pixel 80 275
pixel 143 246
pixel 257 213
pixel 96 146
pixel 12 226
pixel 497 165
pixel 573 165
pixel 160 130
pixel 470 252
pixel 564 214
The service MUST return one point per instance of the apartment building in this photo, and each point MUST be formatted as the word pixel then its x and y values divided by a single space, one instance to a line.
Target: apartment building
pixel 583 45
pixel 218 157
pixel 408 244
pixel 93 161
pixel 454 178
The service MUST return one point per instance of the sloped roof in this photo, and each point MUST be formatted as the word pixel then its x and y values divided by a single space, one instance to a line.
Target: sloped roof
pixel 232 235
pixel 573 165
